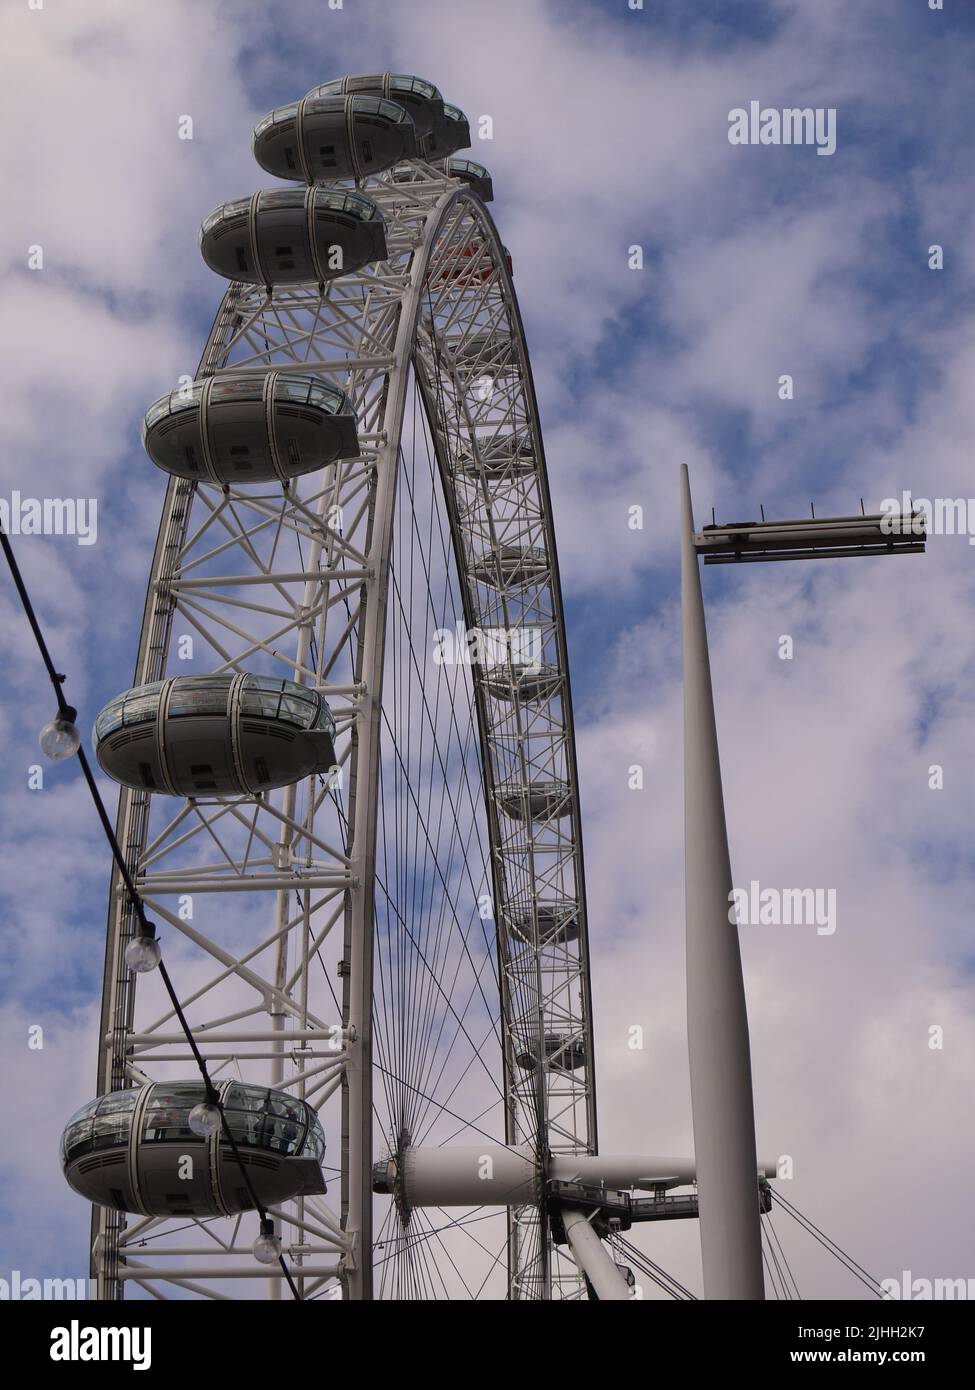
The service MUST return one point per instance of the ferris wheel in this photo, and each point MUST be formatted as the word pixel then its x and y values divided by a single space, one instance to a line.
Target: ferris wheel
pixel 349 789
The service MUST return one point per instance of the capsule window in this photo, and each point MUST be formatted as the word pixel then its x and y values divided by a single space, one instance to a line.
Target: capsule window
pixel 237 389
pixel 265 705
pixel 299 711
pixel 294 388
pixel 314 1145
pixel 116 1102
pixel 244 1097
pixel 186 398
pixel 359 206
pixel 245 1127
pixel 109 720
pixel 328 398
pixel 156 412
pixel 264 683
pixel 142 710
pixel 324 719
pixel 166 1118
pixel 76 1139
pixel 392 112
pixel 109 1131
pixel 282 198
pixel 284 1124
pixel 199 698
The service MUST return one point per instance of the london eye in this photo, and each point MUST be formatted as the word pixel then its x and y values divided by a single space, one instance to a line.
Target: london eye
pixel 349 793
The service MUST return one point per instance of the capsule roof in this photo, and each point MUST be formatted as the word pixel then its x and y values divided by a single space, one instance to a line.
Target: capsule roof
pixel 287 236
pixel 420 98
pixel 254 426
pixel 334 137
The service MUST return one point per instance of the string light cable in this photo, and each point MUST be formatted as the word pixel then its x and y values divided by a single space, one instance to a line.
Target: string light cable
pixel 60 740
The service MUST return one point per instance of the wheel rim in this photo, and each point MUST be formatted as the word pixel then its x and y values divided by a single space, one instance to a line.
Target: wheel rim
pixel 325 591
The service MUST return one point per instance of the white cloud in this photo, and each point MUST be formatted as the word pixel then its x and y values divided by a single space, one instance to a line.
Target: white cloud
pixel 602 139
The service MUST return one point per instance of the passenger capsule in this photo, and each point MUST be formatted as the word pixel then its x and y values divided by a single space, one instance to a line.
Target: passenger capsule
pixel 499 456
pixel 477 353
pixel 422 101
pixel 404 173
pixel 451 133
pixel 219 735
pixel 468 265
pixel 252 427
pixel 558 921
pixel 539 800
pixel 128 1150
pixel 526 682
pixel 336 137
pixel 473 173
pixel 509 566
pixel 293 236
pixel 562 1052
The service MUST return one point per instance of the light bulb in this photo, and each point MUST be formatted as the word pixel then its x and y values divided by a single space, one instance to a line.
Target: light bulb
pixel 60 739
pixel 267 1247
pixel 205 1119
pixel 143 953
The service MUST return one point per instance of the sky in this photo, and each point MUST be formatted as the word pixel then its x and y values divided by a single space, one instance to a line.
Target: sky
pixel 610 132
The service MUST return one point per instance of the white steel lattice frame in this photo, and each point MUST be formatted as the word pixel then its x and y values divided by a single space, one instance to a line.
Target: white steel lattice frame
pixel 218 569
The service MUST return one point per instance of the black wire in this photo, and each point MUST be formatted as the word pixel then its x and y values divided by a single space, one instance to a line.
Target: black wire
pixel 656 1272
pixel 57 680
pixel 785 1260
pixel 766 1242
pixel 830 1245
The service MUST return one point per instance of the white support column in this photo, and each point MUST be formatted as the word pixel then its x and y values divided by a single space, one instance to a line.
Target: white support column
pixel 594 1259
pixel 717 1023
